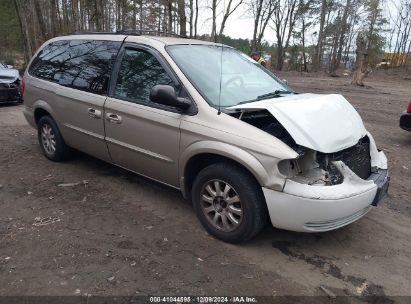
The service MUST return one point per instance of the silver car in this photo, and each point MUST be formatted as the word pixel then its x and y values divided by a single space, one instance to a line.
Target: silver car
pixel 211 122
pixel 11 84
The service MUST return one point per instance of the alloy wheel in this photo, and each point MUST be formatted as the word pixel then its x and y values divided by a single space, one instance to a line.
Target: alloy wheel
pixel 48 139
pixel 222 205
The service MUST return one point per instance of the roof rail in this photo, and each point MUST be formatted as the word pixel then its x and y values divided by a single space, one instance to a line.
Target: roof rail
pixel 149 32
pixel 92 33
pixel 131 32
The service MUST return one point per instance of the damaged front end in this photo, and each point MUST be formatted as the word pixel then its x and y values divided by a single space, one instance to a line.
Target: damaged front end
pixel 10 88
pixel 323 190
pixel 317 168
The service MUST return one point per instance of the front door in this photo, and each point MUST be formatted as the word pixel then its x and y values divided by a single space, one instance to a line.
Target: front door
pixel 142 136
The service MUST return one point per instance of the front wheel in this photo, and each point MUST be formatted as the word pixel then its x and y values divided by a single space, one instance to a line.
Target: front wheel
pixel 229 202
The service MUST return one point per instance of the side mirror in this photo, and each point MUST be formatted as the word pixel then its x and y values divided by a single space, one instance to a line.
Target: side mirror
pixel 285 81
pixel 9 66
pixel 166 95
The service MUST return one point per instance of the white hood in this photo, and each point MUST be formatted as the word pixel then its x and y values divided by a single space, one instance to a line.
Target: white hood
pixel 324 123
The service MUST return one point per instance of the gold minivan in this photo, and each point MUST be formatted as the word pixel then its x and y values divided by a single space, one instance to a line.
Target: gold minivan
pixel 208 120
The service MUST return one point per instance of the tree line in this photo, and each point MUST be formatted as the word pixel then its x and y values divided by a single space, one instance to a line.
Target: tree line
pixel 320 34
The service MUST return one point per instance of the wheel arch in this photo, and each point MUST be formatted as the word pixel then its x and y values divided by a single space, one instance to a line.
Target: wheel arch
pixel 202 154
pixel 42 108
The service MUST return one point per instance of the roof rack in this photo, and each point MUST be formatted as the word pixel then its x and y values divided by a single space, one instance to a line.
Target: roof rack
pixel 149 32
pixel 92 33
pixel 132 32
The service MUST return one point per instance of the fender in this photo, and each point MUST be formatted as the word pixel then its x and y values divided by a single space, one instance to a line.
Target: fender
pixel 249 161
pixel 41 104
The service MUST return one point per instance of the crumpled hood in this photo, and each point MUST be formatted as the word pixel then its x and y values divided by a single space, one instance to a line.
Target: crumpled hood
pixel 325 123
pixel 8 75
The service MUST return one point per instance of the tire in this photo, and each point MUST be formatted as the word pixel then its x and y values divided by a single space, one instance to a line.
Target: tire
pixel 211 210
pixel 51 142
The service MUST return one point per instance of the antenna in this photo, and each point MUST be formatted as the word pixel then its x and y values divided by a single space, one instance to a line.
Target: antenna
pixel 221 68
pixel 221 78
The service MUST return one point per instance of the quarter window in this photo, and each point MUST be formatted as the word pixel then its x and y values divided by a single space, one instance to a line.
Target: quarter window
pixel 81 64
pixel 139 72
pixel 50 61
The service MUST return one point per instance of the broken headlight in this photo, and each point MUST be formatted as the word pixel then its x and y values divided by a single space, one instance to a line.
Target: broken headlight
pixel 308 169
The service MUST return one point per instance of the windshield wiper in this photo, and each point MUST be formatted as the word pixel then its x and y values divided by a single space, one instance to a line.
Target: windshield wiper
pixel 276 93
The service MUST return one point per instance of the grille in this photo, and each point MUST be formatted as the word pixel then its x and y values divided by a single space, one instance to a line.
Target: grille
pixel 12 85
pixel 357 158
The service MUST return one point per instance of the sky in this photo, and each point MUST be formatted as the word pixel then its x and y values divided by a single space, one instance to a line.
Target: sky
pixel 240 23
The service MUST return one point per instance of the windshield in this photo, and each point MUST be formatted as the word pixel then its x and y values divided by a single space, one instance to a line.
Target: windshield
pixel 242 79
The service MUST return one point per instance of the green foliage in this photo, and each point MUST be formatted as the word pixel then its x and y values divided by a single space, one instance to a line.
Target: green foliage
pixel 376 50
pixel 374 24
pixel 295 61
pixel 9 28
pixel 244 45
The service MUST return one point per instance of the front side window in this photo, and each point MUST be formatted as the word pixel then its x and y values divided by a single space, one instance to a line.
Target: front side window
pixel 242 79
pixel 139 72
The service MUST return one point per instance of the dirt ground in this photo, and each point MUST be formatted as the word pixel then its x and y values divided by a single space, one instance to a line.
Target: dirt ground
pixel 121 234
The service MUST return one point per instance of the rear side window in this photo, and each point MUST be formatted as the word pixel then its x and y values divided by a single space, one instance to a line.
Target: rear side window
pixel 139 72
pixel 81 64
pixel 50 61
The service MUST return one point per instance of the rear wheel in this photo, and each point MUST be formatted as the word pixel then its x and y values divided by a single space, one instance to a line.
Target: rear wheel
pixel 50 139
pixel 229 202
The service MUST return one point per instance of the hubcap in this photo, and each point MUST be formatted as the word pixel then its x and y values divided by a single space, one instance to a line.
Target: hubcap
pixel 48 139
pixel 221 204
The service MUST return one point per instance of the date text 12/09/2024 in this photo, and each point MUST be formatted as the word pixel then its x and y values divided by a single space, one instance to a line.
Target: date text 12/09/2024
pixel 202 299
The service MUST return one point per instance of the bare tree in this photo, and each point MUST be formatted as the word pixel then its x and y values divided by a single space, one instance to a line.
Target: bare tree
pixel 182 16
pixel 98 15
pixel 262 11
pixel 317 58
pixel 342 28
pixel 304 8
pixel 191 3
pixel 53 18
pixel 196 20
pixel 170 15
pixel 402 32
pixel 227 13
pixel 28 52
pixel 214 20
pixel 41 23
pixel 284 18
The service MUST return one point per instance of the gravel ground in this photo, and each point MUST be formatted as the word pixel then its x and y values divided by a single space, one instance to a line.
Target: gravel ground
pixel 121 234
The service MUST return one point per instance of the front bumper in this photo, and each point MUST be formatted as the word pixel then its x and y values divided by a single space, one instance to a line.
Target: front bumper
pixel 9 94
pixel 405 121
pixel 308 208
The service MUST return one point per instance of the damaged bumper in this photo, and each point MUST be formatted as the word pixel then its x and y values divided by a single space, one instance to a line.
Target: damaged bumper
pixel 310 208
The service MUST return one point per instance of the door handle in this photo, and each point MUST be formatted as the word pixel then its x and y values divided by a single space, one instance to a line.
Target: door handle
pixel 114 118
pixel 94 113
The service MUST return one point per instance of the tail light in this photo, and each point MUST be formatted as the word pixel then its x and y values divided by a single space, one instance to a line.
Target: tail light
pixel 22 86
pixel 409 108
